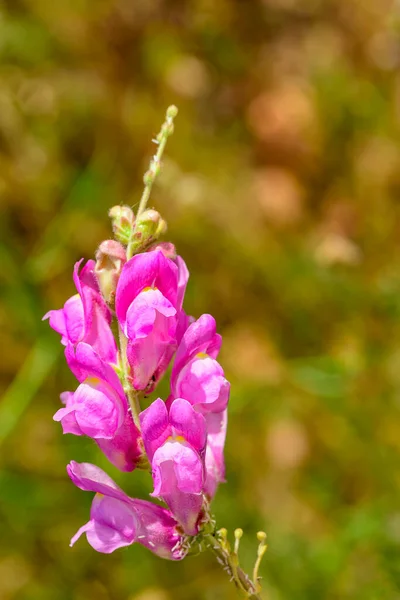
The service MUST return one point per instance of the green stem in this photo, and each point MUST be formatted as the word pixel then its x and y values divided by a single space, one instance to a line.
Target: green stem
pixel 241 580
pixel 154 169
pixel 132 395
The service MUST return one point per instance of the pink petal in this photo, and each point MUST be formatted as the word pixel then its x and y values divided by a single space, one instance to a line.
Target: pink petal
pixel 202 382
pixel 145 357
pixel 188 423
pixel 91 478
pixel 142 314
pixel 96 314
pixel 182 461
pixel 85 362
pixel 124 449
pixel 150 269
pixel 74 319
pixel 113 524
pixel 183 276
pixel 200 337
pixel 155 426
pixel 214 460
pixel 186 508
pixel 98 409
pixel 57 322
pixel 68 421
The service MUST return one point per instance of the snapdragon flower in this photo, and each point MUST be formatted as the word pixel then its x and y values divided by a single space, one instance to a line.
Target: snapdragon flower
pixel 148 302
pixel 116 520
pixel 196 375
pixel 85 316
pixel 180 441
pixel 175 443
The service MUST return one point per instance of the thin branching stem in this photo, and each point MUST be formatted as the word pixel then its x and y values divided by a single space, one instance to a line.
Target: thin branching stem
pixel 241 580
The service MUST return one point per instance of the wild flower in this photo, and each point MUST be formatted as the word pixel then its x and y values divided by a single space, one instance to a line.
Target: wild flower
pixel 140 283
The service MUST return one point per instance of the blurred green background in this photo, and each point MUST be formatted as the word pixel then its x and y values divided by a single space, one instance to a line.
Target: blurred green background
pixel 281 188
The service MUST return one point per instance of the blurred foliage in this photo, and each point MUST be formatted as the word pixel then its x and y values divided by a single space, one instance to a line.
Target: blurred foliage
pixel 281 190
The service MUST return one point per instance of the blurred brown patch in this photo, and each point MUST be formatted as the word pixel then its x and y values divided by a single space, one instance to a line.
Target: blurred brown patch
pixel 377 160
pixel 249 355
pixel 287 444
pixel 282 116
pixel 279 195
pixel 188 76
pixel 334 248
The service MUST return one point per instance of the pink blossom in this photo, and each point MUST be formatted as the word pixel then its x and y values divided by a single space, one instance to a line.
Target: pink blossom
pixel 151 329
pixel 85 317
pixel 175 443
pixel 196 375
pixel 148 305
pixel 99 408
pixel 116 520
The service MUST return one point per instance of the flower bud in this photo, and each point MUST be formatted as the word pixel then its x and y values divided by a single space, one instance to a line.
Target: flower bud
pixel 148 228
pixel 172 111
pixel 167 248
pixel 110 258
pixel 123 220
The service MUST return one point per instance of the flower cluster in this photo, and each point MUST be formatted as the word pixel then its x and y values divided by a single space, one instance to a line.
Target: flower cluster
pixel 140 284
pixel 180 440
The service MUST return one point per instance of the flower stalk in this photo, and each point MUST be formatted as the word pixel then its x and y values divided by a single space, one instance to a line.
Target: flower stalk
pixel 218 544
pixel 141 284
pixel 151 174
pixel 132 395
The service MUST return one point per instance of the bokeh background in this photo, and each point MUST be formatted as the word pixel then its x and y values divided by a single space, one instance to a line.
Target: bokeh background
pixel 281 188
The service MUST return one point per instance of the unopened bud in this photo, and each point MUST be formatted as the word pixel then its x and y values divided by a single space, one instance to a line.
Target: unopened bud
pixel 261 536
pixel 110 258
pixel 172 111
pixel 223 536
pixel 148 177
pixel 167 248
pixel 238 536
pixel 123 221
pixel 148 228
